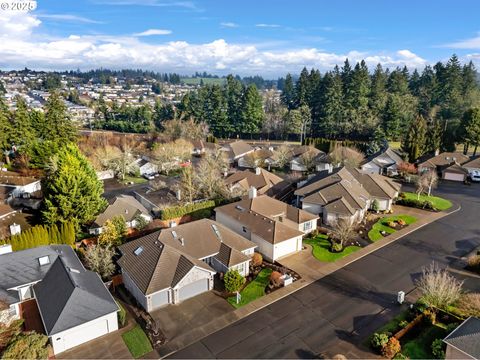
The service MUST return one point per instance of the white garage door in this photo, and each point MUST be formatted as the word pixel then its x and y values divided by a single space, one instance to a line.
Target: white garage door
pixel 195 288
pixel 76 337
pixel 454 177
pixel 159 299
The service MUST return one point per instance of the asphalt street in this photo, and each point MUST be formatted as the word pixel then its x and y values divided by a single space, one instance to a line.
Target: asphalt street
pixel 348 305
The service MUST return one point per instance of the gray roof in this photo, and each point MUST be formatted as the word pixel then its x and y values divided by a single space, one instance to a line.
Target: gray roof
pixel 466 337
pixel 65 299
pixel 122 205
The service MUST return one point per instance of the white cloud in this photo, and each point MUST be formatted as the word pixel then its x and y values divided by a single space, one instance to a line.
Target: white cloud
pixel 472 43
pixel 70 18
pixel 22 43
pixel 267 25
pixel 228 24
pixel 151 32
pixel 156 3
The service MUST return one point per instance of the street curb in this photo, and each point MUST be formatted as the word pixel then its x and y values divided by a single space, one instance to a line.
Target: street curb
pixel 381 243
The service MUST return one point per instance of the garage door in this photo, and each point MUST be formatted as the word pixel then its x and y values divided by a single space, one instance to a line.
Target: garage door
pixel 76 337
pixel 453 176
pixel 159 299
pixel 193 289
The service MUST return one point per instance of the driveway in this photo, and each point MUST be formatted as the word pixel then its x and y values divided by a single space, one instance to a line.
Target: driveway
pixel 182 322
pixel 338 312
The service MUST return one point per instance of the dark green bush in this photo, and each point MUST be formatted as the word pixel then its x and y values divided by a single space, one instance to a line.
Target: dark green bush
pixel 379 340
pixel 438 349
pixel 201 214
pixel 122 314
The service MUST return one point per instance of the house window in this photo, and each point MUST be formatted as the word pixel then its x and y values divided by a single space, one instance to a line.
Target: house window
pixel 244 229
pixel 44 260
pixel 307 226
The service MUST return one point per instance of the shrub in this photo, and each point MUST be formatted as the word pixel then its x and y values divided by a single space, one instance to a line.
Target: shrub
pixel 469 304
pixel 179 211
pixel 257 259
pixel 201 214
pixel 122 314
pixel 473 262
pixel 379 340
pixel 276 278
pixel 28 345
pixel 375 205
pixel 403 323
pixel 391 348
pixel 400 356
pixel 438 349
pixel 402 195
pixel 233 281
pixel 336 247
pixel 391 224
pixel 401 222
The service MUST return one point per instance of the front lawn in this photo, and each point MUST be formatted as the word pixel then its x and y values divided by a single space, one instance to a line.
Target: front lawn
pixel 437 202
pixel 137 342
pixel 375 233
pixel 134 179
pixel 253 290
pixel 321 249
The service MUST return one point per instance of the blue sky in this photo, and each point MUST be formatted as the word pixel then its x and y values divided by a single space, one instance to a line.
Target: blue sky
pixel 247 37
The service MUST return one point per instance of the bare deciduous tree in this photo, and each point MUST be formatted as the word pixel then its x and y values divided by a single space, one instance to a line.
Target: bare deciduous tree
pixel 209 179
pixel 307 159
pixel 188 186
pixel 184 129
pixel 168 156
pixel 427 181
pixel 439 288
pixel 99 259
pixel 283 155
pixel 253 160
pixel 348 156
pixel 341 233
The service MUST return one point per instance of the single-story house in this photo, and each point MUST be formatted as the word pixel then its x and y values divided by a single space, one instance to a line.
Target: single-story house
pixel 257 158
pixel 200 147
pixel 441 161
pixel 174 264
pixel 264 181
pixel 74 304
pixel 276 227
pixel 18 185
pixel 236 150
pixel 455 172
pixel 464 341
pixel 146 167
pixel 320 159
pixel 123 205
pixel 384 163
pixel 346 193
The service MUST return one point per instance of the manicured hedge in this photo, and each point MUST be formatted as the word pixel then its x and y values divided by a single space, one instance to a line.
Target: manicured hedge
pixel 179 211
pixel 419 204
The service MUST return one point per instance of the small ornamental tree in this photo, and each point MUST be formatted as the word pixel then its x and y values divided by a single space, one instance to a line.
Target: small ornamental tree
pixel 28 345
pixel 109 235
pixel 233 281
pixel 99 259
pixel 375 205
pixel 140 223
pixel 391 348
pixel 120 225
pixel 257 259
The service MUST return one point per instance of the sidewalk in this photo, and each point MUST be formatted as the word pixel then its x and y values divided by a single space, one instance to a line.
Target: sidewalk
pixel 309 268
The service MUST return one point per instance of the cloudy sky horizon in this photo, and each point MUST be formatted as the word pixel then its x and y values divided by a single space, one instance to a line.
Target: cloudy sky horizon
pixel 264 37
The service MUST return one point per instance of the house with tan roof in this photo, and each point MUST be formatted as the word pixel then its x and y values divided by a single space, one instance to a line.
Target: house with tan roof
pixel 175 264
pixel 276 227
pixel 123 205
pixel 346 193
pixel 442 161
pixel 17 185
pixel 384 163
pixel 236 150
pixel 264 181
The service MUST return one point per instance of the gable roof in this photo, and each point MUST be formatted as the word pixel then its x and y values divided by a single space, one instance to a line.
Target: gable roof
pixel 444 159
pixel 263 182
pixel 384 158
pixel 124 205
pixel 65 299
pixel 457 169
pixel 473 163
pixel 465 337
pixel 377 185
pixel 11 178
pixel 239 148
pixel 168 255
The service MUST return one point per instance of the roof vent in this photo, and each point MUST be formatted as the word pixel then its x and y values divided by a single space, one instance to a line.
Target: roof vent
pixel 182 241
pixel 138 251
pixel 126 211
pixel 74 270
pixel 174 234
pixel 238 207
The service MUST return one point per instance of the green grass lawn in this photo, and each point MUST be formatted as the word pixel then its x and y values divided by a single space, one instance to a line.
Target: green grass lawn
pixel 135 180
pixel 438 203
pixel 253 290
pixel 137 342
pixel 381 225
pixel 321 249
pixel 420 347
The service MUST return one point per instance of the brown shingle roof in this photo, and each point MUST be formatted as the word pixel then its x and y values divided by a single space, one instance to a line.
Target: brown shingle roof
pixel 124 205
pixel 262 182
pixel 15 179
pixel 240 147
pixel 445 159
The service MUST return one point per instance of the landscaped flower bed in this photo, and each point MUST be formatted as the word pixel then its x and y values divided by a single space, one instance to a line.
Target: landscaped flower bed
pixel 388 225
pixel 424 201
pixel 321 248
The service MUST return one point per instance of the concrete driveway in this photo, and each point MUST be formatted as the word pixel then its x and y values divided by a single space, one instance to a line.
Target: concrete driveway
pixel 181 322
pixel 337 313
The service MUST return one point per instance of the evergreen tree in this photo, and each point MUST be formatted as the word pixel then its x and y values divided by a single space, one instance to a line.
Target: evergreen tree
pixel 471 129
pixel 234 96
pixel 414 141
pixel 288 93
pixel 331 112
pixel 378 92
pixel 252 115
pixel 71 188
pixel 5 128
pixel 21 133
pixel 302 89
pixel 58 125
